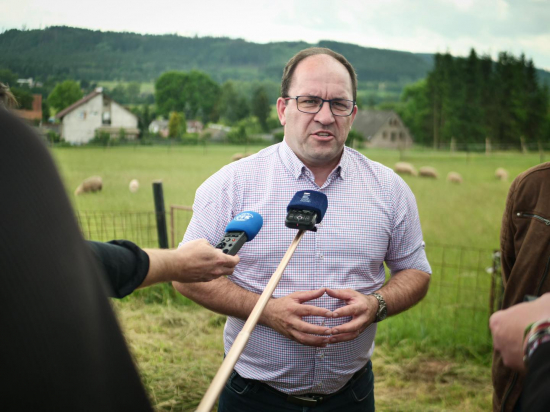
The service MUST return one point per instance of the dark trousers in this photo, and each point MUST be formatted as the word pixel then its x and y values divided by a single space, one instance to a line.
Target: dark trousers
pixel 246 395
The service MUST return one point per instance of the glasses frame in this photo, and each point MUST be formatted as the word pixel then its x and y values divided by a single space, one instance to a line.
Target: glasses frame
pixel 329 101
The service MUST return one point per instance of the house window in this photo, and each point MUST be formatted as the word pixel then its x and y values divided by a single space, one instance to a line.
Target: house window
pixel 401 136
pixel 393 136
pixel 106 118
pixel 82 115
pixel 385 135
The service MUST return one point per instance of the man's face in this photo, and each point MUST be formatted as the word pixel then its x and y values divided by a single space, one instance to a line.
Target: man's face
pixel 317 139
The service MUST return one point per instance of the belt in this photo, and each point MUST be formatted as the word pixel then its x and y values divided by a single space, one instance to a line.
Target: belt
pixel 311 399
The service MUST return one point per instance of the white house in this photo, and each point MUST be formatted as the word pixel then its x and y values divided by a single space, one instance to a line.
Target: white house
pixel 383 129
pixel 93 113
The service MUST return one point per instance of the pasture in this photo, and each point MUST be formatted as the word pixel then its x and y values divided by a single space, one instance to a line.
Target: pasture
pixel 433 357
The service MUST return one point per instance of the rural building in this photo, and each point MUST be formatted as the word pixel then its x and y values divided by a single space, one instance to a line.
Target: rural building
pixel 36 113
pixel 159 126
pixel 96 113
pixel 383 129
pixel 216 132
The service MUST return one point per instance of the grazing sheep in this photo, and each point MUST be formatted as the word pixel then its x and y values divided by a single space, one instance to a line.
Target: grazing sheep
pixel 501 174
pixel 134 185
pixel 404 168
pixel 454 177
pixel 239 156
pixel 91 184
pixel 427 171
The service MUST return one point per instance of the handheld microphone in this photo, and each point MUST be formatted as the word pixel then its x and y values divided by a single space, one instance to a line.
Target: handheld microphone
pixel 243 228
pixel 306 209
pixel 304 203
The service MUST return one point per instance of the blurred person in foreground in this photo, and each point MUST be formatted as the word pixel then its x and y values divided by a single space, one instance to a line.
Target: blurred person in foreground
pixel 61 348
pixel 313 345
pixel 525 256
pixel 521 335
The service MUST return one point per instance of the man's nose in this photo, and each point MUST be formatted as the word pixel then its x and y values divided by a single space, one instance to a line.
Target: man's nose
pixel 324 116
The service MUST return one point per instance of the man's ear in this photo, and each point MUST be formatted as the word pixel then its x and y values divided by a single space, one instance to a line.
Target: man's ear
pixel 354 113
pixel 281 107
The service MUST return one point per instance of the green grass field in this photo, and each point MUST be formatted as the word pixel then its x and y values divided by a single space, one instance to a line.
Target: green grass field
pixel 433 357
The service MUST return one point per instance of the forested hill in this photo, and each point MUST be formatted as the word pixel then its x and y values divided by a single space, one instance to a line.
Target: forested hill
pixel 66 52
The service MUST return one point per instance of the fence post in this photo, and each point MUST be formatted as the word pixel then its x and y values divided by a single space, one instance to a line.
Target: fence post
pixel 160 213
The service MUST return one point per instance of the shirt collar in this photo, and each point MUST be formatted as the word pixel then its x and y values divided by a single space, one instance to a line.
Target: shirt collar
pixel 296 167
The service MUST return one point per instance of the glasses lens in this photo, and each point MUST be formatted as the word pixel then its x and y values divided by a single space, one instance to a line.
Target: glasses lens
pixel 309 104
pixel 341 107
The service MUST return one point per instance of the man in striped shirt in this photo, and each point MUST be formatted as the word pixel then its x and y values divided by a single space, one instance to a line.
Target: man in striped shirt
pixel 313 345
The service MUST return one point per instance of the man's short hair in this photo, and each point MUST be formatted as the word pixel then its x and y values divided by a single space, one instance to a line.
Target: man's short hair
pixel 313 51
pixel 7 99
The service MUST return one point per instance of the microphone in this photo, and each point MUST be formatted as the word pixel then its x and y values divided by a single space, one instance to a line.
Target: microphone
pixel 306 209
pixel 243 228
pixel 308 203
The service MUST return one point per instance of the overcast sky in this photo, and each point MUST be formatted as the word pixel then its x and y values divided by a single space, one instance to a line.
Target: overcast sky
pixel 489 26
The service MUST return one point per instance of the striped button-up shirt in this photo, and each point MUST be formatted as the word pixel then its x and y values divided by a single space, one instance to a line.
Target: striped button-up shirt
pixel 371 218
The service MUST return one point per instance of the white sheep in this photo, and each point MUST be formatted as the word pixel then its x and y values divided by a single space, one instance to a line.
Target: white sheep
pixel 237 156
pixel 134 185
pixel 427 171
pixel 501 174
pixel 91 184
pixel 454 177
pixel 404 168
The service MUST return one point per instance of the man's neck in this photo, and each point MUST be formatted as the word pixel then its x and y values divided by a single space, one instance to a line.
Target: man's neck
pixel 322 172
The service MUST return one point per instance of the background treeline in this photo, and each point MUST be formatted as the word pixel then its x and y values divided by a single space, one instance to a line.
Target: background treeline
pixel 60 53
pixel 474 98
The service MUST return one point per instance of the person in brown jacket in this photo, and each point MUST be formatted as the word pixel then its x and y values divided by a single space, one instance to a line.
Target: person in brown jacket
pixel 525 254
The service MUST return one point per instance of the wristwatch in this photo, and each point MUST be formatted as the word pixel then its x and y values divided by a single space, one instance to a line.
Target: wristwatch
pixel 382 311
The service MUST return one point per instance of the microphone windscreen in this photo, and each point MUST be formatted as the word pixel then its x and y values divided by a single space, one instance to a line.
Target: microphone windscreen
pixel 310 200
pixel 247 222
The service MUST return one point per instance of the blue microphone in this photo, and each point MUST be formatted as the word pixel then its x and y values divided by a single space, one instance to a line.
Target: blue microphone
pixel 243 228
pixel 306 209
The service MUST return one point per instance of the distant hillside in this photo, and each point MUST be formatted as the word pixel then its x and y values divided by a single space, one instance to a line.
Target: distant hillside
pixel 58 53
pixel 93 55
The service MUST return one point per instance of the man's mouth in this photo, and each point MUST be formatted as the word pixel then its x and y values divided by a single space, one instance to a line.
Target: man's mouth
pixel 323 134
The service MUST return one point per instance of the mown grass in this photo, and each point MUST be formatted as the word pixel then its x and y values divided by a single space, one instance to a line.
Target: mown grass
pixel 179 349
pixel 433 357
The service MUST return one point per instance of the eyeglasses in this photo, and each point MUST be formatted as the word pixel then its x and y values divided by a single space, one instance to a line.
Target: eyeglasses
pixel 314 104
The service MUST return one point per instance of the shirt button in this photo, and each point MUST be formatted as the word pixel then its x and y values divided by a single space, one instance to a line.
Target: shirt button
pixel 319 384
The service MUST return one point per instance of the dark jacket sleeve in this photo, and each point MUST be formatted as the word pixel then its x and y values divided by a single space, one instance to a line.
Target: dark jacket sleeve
pixel 60 344
pixel 536 393
pixel 124 263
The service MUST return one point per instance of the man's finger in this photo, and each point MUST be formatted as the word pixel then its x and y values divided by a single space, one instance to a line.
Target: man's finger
pixel 342 294
pixel 343 337
pixel 308 295
pixel 310 310
pixel 352 326
pixel 309 340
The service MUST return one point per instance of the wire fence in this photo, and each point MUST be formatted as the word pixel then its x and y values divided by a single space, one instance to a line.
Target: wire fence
pixel 465 288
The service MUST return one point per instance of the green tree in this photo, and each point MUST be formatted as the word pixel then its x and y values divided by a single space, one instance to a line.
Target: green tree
pixel 133 90
pixel 64 94
pixel 177 125
pixel 8 77
pixel 23 96
pixel 193 93
pixel 261 107
pixel 415 111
